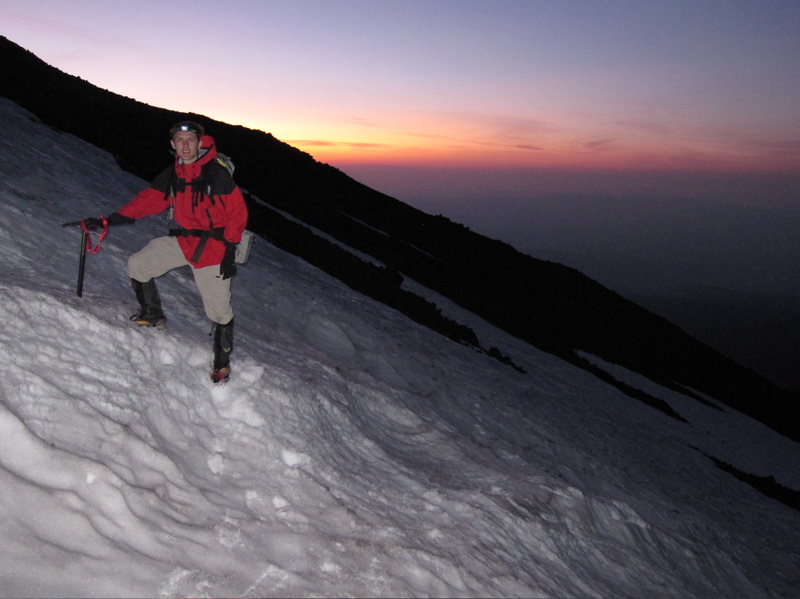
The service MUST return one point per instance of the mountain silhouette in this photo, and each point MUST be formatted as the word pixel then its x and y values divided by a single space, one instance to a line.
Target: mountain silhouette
pixel 551 306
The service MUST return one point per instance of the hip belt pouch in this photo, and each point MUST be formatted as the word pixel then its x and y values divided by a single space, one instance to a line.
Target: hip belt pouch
pixel 243 248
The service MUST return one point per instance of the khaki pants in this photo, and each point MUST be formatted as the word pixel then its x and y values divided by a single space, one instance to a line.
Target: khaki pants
pixel 164 254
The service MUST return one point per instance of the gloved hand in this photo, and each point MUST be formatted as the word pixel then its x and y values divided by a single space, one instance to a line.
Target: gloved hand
pixel 227 267
pixel 93 223
pixel 114 219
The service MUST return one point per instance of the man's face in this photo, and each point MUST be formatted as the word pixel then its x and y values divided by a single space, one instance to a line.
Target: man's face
pixel 186 145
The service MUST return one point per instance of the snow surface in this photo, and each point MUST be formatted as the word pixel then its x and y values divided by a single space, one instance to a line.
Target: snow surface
pixel 353 453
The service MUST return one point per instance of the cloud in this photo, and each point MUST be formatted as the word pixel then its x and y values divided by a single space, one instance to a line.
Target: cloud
pixel 493 132
pixel 467 140
pixel 77 33
pixel 337 144
pixel 310 142
pixel 599 145
pixel 515 126
pixel 433 136
pixel 646 126
pixel 781 148
pixel 498 131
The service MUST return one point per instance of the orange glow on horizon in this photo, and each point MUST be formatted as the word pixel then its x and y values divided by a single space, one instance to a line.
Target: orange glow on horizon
pixel 426 140
pixel 451 144
pixel 634 159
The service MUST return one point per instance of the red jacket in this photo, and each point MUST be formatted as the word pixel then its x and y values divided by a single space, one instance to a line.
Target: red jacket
pixel 205 198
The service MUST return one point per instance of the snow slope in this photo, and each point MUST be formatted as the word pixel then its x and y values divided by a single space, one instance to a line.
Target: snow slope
pixel 353 453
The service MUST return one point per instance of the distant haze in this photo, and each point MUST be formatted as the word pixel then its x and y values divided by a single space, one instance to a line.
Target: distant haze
pixel 650 245
pixel 642 232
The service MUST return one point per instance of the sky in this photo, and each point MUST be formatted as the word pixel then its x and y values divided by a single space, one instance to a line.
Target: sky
pixel 335 463
pixel 442 99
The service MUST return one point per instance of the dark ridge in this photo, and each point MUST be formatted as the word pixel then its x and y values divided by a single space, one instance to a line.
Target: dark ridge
pixel 766 485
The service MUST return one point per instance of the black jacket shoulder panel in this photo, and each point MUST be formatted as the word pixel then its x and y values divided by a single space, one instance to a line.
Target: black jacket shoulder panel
pixel 165 179
pixel 219 178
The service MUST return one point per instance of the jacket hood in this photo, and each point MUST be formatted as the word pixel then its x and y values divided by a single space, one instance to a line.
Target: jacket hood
pixel 208 150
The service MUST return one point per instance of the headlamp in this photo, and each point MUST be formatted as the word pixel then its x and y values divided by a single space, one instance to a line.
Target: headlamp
pixel 187 127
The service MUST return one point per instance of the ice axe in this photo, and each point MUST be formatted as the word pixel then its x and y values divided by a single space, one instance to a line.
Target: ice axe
pixel 86 246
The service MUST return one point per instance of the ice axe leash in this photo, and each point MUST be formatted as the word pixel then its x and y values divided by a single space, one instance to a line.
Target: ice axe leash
pixel 86 246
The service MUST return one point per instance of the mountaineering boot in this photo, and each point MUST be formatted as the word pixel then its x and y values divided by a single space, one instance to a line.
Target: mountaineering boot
pixel 221 376
pixel 150 314
pixel 223 346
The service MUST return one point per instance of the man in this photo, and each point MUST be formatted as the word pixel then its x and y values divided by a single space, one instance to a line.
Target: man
pixel 210 210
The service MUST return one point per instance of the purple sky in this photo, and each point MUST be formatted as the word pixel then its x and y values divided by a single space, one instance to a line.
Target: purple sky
pixel 433 99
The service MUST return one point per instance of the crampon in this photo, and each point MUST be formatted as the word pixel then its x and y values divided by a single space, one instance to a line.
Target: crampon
pixel 221 376
pixel 157 322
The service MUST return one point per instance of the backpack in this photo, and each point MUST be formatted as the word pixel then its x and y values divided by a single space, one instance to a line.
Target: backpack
pixel 225 161
pixel 243 248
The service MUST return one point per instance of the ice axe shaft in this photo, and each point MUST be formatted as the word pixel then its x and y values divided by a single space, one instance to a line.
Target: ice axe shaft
pixel 86 246
pixel 82 262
